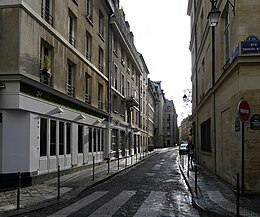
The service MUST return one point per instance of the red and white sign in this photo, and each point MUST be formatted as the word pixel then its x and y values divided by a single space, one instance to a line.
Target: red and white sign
pixel 243 111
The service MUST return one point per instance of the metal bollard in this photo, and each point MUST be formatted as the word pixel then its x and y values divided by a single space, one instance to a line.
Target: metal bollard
pixel 18 190
pixel 196 180
pixel 58 182
pixel 108 160
pixel 237 194
pixel 93 177
pixel 118 162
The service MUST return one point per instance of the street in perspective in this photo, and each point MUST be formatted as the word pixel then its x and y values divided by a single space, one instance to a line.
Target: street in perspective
pixel 154 187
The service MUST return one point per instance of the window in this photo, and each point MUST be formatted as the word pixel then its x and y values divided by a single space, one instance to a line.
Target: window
pixel 46 11
pixel 101 24
pixel 115 46
pixel 95 140
pixel 205 136
pixel 61 138
pixel 43 137
pixel 45 64
pixel 87 96
pixel 53 138
pixel 89 9
pixel 99 139
pixel 80 139
pixel 113 140
pixel 70 79
pixel 88 46
pixel 100 59
pixel 90 140
pixel 68 138
pixel 122 84
pixel 100 96
pixel 226 37
pixel 122 58
pixel 71 29
pixel 115 109
pixel 114 78
pixel 128 89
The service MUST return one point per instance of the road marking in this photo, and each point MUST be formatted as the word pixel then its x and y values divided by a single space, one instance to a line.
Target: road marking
pixel 218 198
pixel 152 205
pixel 109 208
pixel 79 204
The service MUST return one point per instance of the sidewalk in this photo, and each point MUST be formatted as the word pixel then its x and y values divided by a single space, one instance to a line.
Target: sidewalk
pixel 215 198
pixel 46 194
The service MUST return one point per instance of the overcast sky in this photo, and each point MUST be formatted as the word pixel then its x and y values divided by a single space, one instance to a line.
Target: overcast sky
pixel 162 35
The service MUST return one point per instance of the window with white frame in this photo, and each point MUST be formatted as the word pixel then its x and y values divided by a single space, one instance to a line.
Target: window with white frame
pixel 88 46
pixel 61 138
pixel 71 29
pixel 100 59
pixel 46 11
pixel 89 9
pixel 68 138
pixel 114 76
pixel 122 84
pixel 43 137
pixel 80 139
pixel 100 96
pixel 87 87
pixel 101 24
pixel 53 137
pixel 45 63
pixel 70 79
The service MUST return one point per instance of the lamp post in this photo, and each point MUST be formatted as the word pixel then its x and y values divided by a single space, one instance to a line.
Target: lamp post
pixel 213 18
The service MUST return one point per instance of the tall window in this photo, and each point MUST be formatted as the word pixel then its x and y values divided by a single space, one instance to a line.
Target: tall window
pixel 71 29
pixel 90 139
pixel 53 138
pixel 100 96
pixel 89 9
pixel 101 24
pixel 95 140
pixel 68 138
pixel 45 64
pixel 226 36
pixel 70 79
pixel 100 59
pixel 205 136
pixel 122 84
pixel 46 11
pixel 87 86
pixel 115 74
pixel 80 139
pixel 88 46
pixel 43 137
pixel 61 138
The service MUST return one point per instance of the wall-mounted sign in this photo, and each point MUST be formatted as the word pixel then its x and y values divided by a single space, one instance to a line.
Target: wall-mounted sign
pixel 255 122
pixel 237 125
pixel 250 45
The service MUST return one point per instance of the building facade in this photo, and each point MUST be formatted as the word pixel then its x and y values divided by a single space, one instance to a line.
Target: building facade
pixel 225 70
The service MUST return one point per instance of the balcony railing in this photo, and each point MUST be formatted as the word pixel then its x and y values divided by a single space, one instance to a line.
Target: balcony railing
pixel 45 13
pixel 88 56
pixel 45 77
pixel 72 40
pixel 70 90
pixel 132 97
pixel 100 105
pixel 87 98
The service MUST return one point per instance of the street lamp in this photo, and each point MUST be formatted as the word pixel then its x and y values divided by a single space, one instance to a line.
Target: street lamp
pixel 213 16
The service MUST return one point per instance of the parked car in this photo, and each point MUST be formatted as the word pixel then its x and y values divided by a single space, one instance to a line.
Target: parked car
pixel 183 148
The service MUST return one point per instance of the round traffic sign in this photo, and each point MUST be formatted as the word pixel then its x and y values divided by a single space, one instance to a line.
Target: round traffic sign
pixel 243 110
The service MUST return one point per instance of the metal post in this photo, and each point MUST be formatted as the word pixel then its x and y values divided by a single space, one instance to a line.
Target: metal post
pixel 93 177
pixel 118 162
pixel 196 180
pixel 58 182
pixel 237 194
pixel 243 159
pixel 108 159
pixel 18 190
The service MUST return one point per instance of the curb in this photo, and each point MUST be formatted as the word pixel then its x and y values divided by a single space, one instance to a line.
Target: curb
pixel 73 192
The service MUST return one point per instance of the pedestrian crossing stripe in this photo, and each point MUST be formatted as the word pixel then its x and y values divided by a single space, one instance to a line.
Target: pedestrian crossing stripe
pixel 109 208
pixel 150 207
pixel 79 204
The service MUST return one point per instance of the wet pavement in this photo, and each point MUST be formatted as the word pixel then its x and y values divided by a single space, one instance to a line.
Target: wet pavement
pixel 213 197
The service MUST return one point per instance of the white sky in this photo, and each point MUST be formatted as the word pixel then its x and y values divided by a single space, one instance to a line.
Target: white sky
pixel 162 34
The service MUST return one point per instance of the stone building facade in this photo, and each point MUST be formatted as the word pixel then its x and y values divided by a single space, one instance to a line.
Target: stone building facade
pixel 217 89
